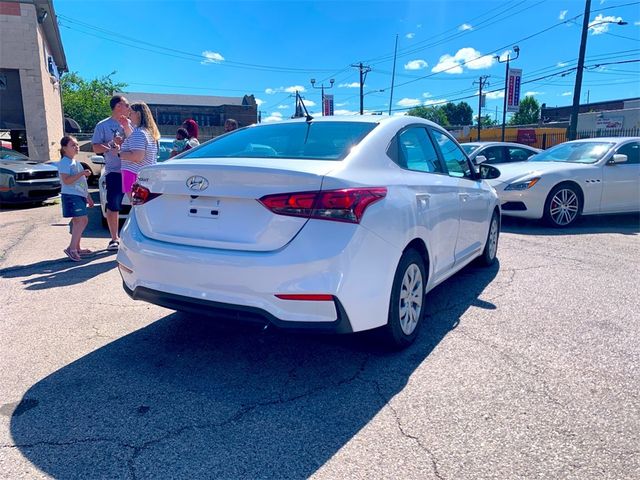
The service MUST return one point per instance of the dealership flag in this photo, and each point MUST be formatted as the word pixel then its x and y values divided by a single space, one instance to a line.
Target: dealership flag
pixel 513 90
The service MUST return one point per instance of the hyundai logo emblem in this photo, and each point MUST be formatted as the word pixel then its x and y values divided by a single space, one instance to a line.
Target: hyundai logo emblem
pixel 197 183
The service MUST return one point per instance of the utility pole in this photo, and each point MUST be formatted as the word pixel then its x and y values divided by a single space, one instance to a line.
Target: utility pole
pixel 364 69
pixel 506 83
pixel 575 108
pixel 313 84
pixel 482 81
pixel 393 75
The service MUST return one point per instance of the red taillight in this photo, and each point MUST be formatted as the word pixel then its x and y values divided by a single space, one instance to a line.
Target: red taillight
pixel 141 195
pixel 346 205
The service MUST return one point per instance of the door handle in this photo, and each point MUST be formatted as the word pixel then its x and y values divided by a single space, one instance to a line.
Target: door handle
pixel 423 200
pixel 463 196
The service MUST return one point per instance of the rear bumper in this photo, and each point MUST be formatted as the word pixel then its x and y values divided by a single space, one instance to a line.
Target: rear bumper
pixel 348 262
pixel 240 313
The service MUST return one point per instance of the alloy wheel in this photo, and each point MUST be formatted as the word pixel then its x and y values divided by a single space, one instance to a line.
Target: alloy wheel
pixel 564 206
pixel 411 297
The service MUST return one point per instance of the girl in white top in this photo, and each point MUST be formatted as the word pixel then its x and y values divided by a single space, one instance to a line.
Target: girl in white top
pixel 140 148
pixel 74 195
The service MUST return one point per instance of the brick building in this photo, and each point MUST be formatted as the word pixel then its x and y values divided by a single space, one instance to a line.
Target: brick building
pixel 170 110
pixel 31 60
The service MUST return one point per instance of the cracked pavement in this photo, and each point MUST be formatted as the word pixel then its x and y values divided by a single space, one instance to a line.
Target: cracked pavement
pixel 529 369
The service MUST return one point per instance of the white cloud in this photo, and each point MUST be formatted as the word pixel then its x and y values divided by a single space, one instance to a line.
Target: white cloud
pixel 442 101
pixel 533 94
pixel 562 64
pixel 495 95
pixel 344 104
pixel 598 27
pixel 563 14
pixel 274 117
pixel 345 112
pixel 409 102
pixel 292 89
pixel 410 35
pixel 465 26
pixel 283 107
pixel 349 85
pixel 309 103
pixel 566 94
pixel 211 57
pixel 469 57
pixel 427 95
pixel 259 101
pixel 637 24
pixel 415 65
pixel 504 55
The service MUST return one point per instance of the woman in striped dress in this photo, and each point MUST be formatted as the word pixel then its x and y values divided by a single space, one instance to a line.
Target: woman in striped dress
pixel 140 148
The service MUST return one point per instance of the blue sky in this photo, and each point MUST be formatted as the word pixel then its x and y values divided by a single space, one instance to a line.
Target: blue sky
pixel 271 48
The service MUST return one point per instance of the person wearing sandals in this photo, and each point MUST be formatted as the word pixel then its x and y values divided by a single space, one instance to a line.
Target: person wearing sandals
pixel 74 195
pixel 140 148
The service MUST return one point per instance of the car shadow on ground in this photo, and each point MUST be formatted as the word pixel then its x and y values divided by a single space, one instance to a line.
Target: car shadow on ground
pixel 625 224
pixel 189 397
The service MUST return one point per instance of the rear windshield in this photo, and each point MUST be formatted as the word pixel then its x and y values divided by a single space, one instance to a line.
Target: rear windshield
pixel 313 140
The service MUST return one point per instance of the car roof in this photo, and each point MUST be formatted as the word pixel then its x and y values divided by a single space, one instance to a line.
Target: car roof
pixel 605 139
pixel 505 144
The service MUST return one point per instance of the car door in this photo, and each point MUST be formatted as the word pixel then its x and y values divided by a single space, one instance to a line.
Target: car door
pixel 474 197
pixel 621 181
pixel 432 194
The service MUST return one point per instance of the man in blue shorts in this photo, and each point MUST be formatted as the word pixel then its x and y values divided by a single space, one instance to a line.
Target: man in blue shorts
pixel 107 137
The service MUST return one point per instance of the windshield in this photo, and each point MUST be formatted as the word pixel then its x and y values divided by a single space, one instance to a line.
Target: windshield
pixel 7 154
pixel 579 152
pixel 314 140
pixel 469 147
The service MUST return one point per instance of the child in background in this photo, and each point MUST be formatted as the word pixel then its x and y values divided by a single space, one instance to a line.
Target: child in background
pixel 180 143
pixel 74 195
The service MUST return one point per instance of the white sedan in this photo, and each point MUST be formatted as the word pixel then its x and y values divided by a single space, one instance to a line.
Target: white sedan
pixel 499 152
pixel 582 177
pixel 338 224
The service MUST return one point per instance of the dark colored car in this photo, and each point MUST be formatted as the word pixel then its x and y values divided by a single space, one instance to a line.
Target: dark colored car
pixel 23 180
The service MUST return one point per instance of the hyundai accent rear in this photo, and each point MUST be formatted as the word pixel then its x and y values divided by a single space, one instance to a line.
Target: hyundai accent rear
pixel 302 225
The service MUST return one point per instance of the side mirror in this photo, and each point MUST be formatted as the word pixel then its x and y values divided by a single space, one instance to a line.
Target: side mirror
pixel 480 159
pixel 618 158
pixel 97 159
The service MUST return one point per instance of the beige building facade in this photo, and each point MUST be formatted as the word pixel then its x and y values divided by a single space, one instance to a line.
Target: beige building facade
pixel 31 60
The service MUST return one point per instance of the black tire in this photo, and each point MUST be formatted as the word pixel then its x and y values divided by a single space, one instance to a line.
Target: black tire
pixel 490 252
pixel 405 317
pixel 563 206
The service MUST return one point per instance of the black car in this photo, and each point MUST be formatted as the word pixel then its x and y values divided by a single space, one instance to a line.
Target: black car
pixel 23 180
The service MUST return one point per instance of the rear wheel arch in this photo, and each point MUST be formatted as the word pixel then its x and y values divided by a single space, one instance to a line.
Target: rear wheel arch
pixel 419 246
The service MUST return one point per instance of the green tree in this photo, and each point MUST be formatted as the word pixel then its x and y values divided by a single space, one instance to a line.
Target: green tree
pixel 460 114
pixel 434 113
pixel 87 101
pixel 528 113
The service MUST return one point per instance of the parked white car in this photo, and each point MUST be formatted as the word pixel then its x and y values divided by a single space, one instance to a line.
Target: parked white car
pixel 338 224
pixel 165 146
pixel 581 177
pixel 499 152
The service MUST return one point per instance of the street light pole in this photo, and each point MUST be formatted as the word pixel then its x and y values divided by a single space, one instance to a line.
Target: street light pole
pixel 313 85
pixel 506 83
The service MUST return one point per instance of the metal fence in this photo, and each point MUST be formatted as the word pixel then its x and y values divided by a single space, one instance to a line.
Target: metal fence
pixel 539 138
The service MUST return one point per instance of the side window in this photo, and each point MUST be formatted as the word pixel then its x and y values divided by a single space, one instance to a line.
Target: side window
pixel 632 151
pixel 453 156
pixel 416 151
pixel 519 154
pixel 494 154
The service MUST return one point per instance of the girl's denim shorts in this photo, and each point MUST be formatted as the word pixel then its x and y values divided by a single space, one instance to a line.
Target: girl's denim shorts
pixel 73 205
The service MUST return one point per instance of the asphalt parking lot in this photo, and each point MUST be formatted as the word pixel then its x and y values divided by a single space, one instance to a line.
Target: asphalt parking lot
pixel 528 369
